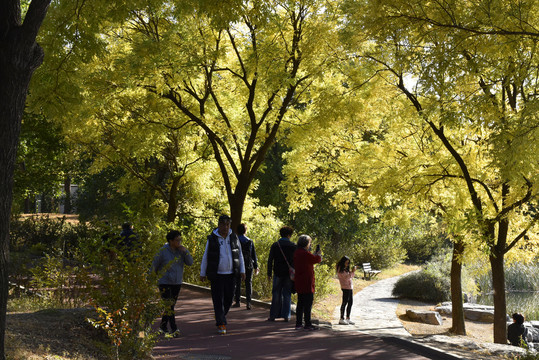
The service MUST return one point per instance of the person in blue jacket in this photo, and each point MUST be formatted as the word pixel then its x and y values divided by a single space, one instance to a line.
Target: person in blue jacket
pixel 251 267
pixel 170 262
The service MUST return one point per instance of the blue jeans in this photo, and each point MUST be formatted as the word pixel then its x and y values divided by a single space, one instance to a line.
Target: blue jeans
pixel 280 297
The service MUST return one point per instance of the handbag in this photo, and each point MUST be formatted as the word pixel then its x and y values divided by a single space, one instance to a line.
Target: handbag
pixel 291 270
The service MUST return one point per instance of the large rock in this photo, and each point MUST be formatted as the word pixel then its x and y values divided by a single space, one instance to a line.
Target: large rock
pixel 474 312
pixel 533 332
pixel 427 317
pixel 479 315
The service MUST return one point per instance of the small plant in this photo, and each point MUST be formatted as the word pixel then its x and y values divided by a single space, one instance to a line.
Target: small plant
pixel 114 324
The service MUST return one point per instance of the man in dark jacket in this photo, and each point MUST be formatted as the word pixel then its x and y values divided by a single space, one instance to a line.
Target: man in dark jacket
pixel 251 266
pixel 221 262
pixel 280 258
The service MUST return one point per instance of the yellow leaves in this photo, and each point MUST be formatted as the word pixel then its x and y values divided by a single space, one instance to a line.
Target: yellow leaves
pixel 113 322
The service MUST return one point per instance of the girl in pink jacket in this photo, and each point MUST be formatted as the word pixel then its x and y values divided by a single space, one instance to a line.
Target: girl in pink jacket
pixel 345 278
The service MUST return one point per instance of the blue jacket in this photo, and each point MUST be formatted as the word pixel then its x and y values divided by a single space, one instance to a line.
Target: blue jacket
pixel 173 262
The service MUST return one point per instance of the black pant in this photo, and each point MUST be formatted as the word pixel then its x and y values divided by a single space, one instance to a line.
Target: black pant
pixel 303 309
pixel 347 301
pixel 222 292
pixel 248 286
pixel 169 293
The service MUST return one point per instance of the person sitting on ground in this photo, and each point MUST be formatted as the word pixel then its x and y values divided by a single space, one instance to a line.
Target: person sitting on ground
pixel 517 332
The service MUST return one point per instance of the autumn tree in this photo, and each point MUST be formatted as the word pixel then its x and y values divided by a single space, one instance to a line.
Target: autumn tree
pixel 238 76
pixel 470 76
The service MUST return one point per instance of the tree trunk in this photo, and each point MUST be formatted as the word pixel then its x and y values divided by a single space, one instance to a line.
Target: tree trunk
pixel 498 285
pixel 459 326
pixel 173 200
pixel 19 57
pixel 237 201
pixel 67 199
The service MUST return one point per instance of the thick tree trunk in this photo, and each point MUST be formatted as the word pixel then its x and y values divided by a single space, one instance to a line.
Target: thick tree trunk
pixel 237 202
pixel 173 200
pixel 498 285
pixel 19 57
pixel 459 326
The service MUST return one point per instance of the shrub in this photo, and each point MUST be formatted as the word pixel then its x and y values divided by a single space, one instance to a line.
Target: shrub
pixel 41 234
pixel 126 298
pixel 421 241
pixel 381 246
pixel 422 286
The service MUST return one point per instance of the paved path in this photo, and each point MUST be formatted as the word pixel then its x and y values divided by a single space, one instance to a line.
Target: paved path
pixel 374 311
pixel 250 336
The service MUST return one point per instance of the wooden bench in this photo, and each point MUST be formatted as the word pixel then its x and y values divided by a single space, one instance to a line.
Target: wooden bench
pixel 369 272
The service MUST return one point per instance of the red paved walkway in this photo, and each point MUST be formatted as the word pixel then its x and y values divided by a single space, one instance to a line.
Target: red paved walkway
pixel 250 336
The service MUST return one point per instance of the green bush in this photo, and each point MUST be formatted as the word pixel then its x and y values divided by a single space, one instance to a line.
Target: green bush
pixel 421 241
pixel 126 297
pixel 381 246
pixel 42 234
pixel 422 286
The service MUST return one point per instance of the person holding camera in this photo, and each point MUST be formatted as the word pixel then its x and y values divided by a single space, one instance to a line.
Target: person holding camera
pixel 346 275
pixel 304 265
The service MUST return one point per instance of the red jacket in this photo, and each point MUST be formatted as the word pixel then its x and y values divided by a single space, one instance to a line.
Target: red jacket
pixel 303 264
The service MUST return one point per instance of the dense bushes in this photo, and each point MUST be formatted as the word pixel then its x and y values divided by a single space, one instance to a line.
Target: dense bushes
pixel 423 286
pixel 42 234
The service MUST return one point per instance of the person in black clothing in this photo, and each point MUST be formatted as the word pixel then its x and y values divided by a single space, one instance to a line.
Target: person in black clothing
pixel 251 265
pixel 517 332
pixel 128 238
pixel 281 256
pixel 221 263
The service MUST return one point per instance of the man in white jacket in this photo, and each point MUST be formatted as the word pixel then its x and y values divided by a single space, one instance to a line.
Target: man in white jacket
pixel 222 261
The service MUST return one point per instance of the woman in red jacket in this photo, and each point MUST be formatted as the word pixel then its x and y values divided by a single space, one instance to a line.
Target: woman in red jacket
pixel 304 265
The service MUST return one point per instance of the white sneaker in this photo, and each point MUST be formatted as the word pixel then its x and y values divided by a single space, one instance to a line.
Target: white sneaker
pixel 350 322
pixel 343 322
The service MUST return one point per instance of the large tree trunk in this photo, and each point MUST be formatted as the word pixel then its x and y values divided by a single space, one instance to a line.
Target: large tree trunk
pixel 459 326
pixel 237 201
pixel 497 253
pixel 498 286
pixel 19 57
pixel 172 201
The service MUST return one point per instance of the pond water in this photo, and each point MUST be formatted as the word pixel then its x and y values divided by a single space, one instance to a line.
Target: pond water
pixel 526 303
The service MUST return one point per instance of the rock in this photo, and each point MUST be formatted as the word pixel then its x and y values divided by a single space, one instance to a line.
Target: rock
pixel 533 332
pixel 444 309
pixel 427 317
pixel 475 312
pixel 479 315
